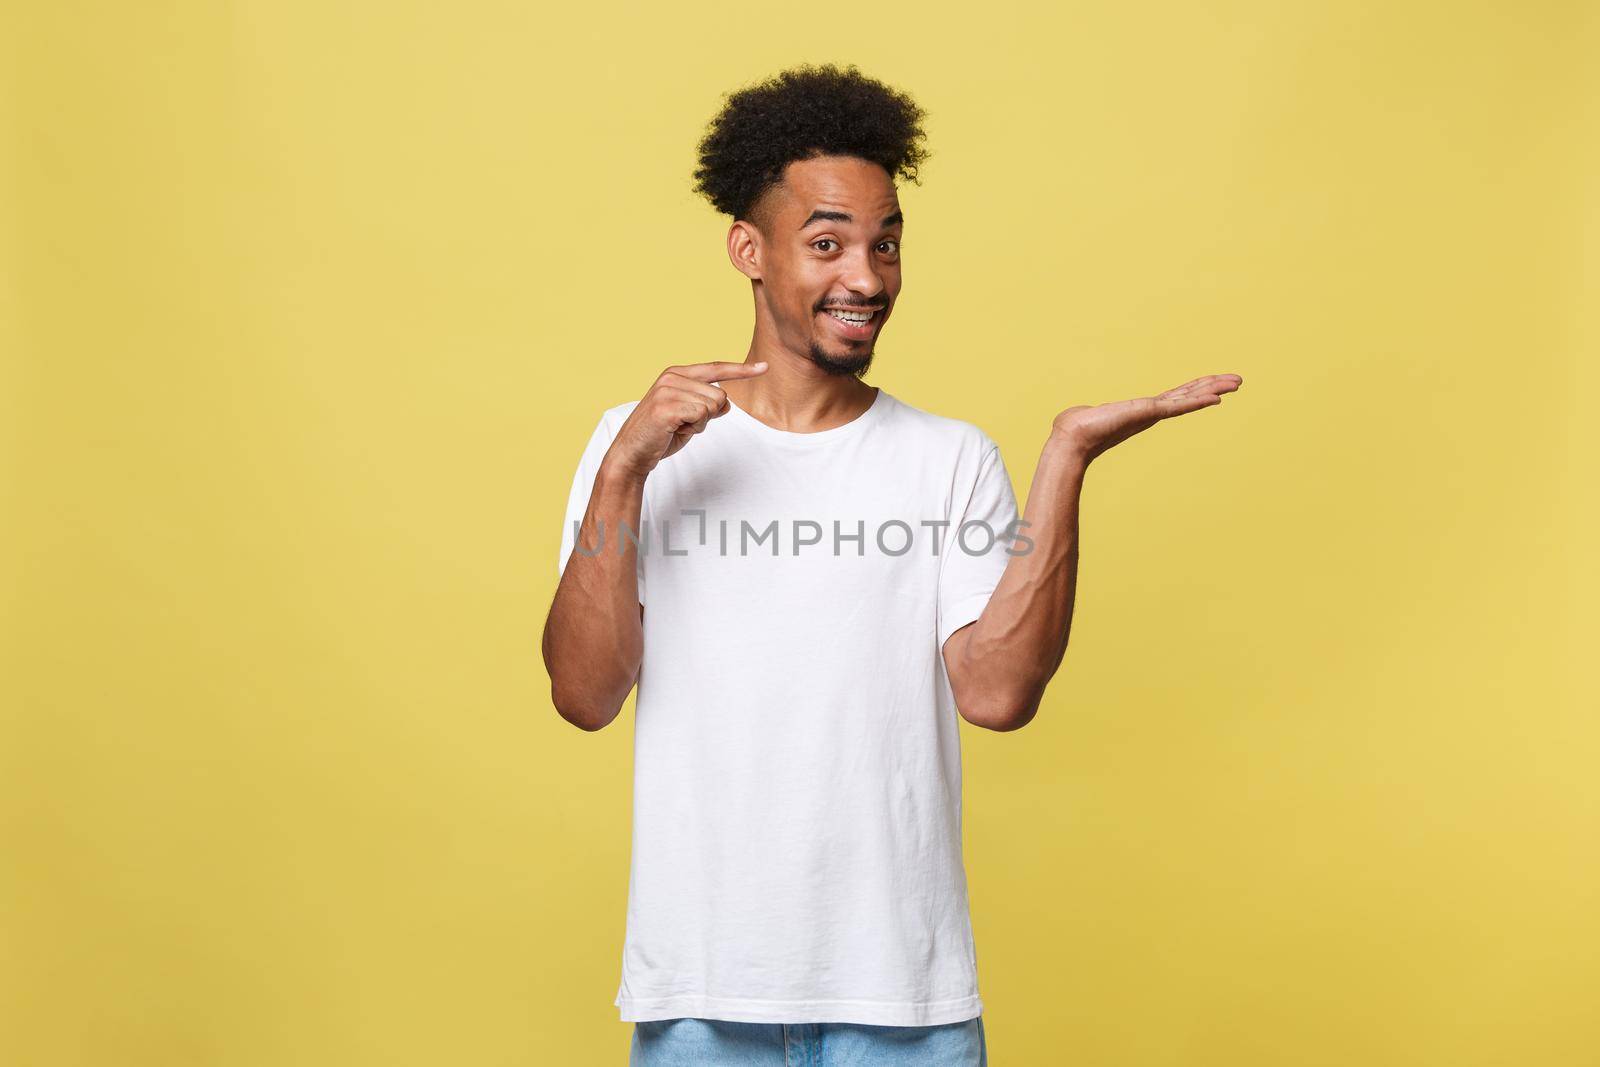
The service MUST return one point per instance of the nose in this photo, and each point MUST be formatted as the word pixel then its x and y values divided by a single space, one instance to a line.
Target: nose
pixel 861 275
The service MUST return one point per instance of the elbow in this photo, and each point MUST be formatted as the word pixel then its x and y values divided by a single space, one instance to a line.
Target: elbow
pixel 993 690
pixel 582 710
pixel 587 695
pixel 1002 712
pixel 1021 717
pixel 589 700
pixel 585 699
pixel 1005 720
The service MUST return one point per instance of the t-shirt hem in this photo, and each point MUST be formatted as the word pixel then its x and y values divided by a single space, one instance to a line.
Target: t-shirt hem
pixel 873 1012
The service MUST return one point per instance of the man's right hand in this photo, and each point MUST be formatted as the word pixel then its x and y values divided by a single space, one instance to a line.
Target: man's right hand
pixel 678 406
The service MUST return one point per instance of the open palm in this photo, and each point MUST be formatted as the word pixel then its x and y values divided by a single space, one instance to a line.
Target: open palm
pixel 1093 428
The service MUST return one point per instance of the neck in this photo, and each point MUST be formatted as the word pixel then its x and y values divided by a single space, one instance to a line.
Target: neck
pixel 795 394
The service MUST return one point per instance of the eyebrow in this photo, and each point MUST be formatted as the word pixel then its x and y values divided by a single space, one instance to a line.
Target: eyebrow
pixel 820 215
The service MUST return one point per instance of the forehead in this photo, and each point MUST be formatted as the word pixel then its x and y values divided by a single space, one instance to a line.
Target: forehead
pixel 857 186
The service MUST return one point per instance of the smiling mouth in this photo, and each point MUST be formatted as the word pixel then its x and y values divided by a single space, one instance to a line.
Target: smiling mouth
pixel 853 322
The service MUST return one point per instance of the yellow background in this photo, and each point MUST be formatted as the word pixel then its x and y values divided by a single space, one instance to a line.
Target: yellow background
pixel 308 309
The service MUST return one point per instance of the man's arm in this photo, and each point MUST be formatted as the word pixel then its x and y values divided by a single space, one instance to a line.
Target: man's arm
pixel 593 640
pixel 1000 665
pixel 594 637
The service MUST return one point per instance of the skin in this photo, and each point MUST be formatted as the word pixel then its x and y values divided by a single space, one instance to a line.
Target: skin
pixel 802 374
pixel 798 264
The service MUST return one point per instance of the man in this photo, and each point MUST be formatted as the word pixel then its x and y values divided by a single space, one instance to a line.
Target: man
pixel 809 580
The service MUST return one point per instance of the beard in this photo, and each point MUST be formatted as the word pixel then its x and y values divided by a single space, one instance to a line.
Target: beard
pixel 855 365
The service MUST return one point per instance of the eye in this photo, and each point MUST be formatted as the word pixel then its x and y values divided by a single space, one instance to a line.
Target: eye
pixel 823 241
pixel 894 246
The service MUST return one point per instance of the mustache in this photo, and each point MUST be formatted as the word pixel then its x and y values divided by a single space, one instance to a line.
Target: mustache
pixel 863 304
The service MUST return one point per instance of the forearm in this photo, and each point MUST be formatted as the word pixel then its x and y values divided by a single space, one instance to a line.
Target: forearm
pixel 1000 665
pixel 594 639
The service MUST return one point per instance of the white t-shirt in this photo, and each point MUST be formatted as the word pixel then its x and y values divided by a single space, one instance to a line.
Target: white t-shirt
pixel 797 771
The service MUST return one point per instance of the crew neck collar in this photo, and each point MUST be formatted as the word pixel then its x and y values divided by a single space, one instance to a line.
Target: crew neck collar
pixel 789 438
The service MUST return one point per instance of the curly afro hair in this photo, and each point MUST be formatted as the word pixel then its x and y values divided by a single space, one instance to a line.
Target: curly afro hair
pixel 803 112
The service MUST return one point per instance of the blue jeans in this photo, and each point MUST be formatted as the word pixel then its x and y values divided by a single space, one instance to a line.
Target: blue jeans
pixel 712 1042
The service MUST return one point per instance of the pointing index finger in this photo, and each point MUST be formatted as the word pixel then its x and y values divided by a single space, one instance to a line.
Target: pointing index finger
pixel 721 372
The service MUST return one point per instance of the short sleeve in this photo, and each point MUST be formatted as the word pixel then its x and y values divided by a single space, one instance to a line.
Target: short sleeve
pixel 974 550
pixel 583 485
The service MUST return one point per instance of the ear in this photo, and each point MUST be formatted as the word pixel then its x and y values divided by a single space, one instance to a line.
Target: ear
pixel 744 249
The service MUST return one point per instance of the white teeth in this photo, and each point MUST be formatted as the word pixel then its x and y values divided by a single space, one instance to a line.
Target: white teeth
pixel 853 318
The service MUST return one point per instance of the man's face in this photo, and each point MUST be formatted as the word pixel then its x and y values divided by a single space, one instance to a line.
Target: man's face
pixel 830 265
